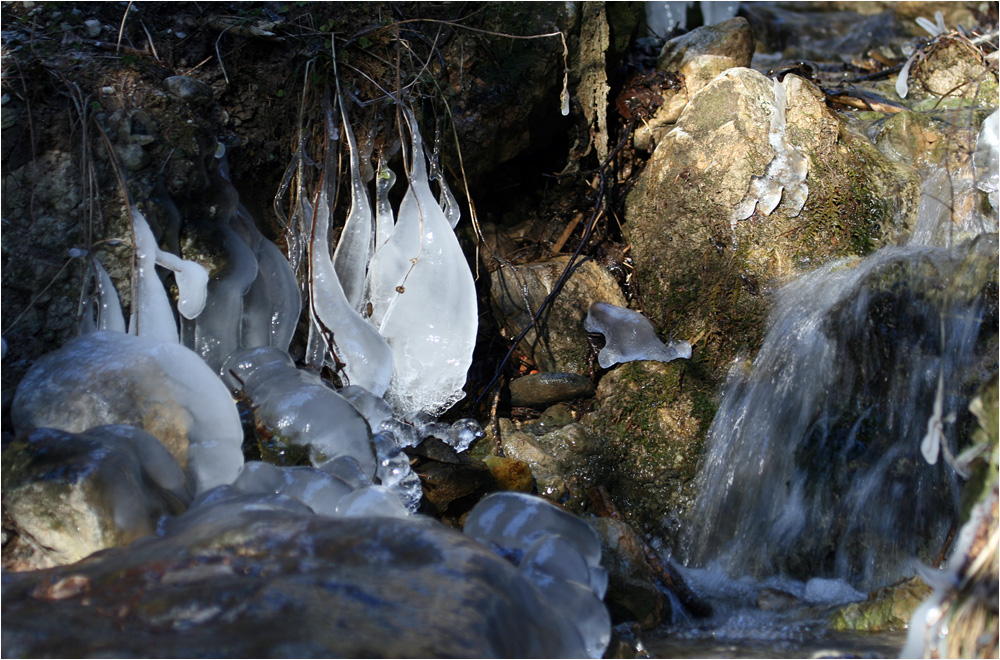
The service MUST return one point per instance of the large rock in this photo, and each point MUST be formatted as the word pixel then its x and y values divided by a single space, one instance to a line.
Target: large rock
pixel 558 343
pixel 701 274
pixel 165 389
pixel 280 584
pixel 67 495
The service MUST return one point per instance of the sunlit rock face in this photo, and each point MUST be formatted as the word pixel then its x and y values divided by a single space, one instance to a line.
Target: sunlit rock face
pixel 68 495
pixel 163 388
pixel 283 584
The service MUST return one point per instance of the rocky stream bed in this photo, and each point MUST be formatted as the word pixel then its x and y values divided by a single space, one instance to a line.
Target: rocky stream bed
pixel 500 329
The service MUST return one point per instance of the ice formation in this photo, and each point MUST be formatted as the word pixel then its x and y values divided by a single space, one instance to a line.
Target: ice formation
pixel 785 174
pixel 299 408
pixel 986 159
pixel 355 248
pixel 317 489
pixel 104 313
pixel 152 315
pixel 424 299
pixel 629 336
pixel 558 552
pixel 112 378
pixel 360 351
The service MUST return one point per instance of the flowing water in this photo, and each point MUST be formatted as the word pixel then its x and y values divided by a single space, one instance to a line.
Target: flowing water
pixel 818 483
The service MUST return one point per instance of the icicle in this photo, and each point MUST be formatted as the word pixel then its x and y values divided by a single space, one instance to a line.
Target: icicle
pixel 365 355
pixel 152 315
pixel 384 218
pixel 109 309
pixel 446 199
pixel 355 248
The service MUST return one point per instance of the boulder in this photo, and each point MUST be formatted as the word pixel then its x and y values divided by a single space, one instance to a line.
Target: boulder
pixel 69 495
pixel 705 275
pixel 558 343
pixel 283 584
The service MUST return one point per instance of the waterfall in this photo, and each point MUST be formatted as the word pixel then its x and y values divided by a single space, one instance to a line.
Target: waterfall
pixel 814 463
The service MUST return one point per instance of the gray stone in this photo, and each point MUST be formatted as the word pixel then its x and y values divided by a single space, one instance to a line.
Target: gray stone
pixel 633 593
pixel 544 389
pixel 273 584
pixel 189 89
pixel 68 495
pixel 558 342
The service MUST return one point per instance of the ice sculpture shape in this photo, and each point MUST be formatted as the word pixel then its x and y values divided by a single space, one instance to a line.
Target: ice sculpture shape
pixel 629 336
pixel 319 490
pixel 559 553
pixel 514 521
pixel 355 248
pixel 298 406
pixel 786 173
pixel 254 300
pixel 424 299
pixel 162 387
pixel 385 220
pixel 106 312
pixel 372 502
pixel 152 315
pixel 365 356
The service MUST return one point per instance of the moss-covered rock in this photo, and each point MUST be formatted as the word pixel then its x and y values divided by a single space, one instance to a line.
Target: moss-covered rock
pixel 699 276
pixel 650 430
pixel 887 609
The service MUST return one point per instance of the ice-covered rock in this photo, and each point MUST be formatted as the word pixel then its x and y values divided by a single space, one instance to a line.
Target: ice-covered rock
pixel 319 490
pixel 629 336
pixel 785 174
pixel 558 552
pixel 161 387
pixel 298 408
pixel 68 495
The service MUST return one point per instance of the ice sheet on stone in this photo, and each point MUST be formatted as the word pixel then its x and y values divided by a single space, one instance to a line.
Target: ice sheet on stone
pixel 366 357
pixel 514 521
pixel 372 502
pixel 161 386
pixel 424 299
pixel 224 504
pixel 347 469
pixel 300 408
pixel 629 336
pixel 356 247
pixel 161 468
pixel 581 606
pixel 319 490
pixel 785 175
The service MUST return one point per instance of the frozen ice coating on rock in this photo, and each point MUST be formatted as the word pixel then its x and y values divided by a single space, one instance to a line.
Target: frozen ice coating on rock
pixel 366 357
pixel 113 378
pixel 319 490
pixel 424 299
pixel 986 158
pixel 225 504
pixel 152 315
pixel 356 247
pixel 556 551
pixel 629 336
pixel 514 521
pixel 300 408
pixel 161 468
pixel 347 469
pixel 786 173
pixel 372 502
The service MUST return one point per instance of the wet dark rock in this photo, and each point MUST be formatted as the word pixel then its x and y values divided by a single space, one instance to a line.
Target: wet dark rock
pixel 548 471
pixel 558 343
pixel 543 389
pixel 510 473
pixel 189 89
pixel 452 489
pixel 275 584
pixel 633 592
pixel 887 608
pixel 776 600
pixel 69 495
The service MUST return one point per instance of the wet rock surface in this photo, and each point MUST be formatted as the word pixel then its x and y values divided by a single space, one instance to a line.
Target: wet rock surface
pixel 543 389
pixel 285 585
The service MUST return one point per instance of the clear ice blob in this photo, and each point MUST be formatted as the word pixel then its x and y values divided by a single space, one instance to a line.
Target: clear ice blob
pixel 629 336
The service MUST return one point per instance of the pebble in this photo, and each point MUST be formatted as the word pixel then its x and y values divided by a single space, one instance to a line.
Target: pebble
pixel 544 389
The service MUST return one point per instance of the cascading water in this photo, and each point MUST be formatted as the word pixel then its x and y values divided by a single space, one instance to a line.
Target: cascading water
pixel 820 456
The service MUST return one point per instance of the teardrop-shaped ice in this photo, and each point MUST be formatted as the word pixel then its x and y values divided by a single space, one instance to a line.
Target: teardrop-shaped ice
pixel 355 248
pixel 424 300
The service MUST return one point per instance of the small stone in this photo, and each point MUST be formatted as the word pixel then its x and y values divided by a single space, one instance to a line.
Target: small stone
pixel 544 389
pixel 510 473
pixel 93 28
pixel 776 600
pixel 188 89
